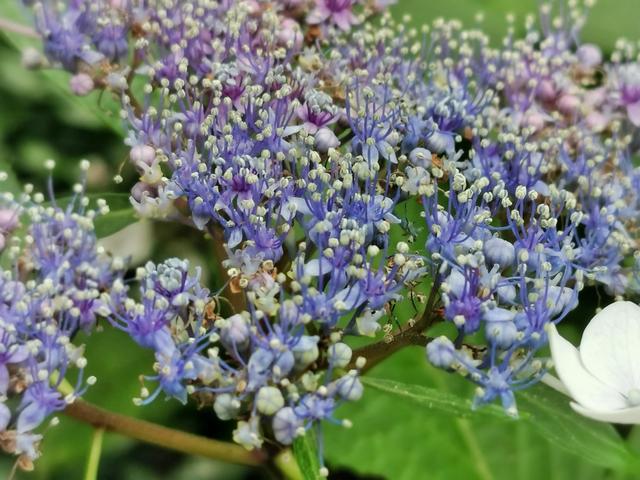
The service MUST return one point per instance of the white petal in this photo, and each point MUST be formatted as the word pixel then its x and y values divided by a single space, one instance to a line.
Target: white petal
pixel 584 387
pixel 555 383
pixel 610 346
pixel 625 415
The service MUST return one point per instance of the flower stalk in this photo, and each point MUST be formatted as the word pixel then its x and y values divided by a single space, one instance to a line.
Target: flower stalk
pixel 9 26
pixel 93 462
pixel 160 436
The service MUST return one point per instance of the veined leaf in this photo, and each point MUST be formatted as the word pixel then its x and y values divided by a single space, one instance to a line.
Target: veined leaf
pixel 597 442
pixel 419 436
pixel 543 408
pixel 434 399
pixel 305 452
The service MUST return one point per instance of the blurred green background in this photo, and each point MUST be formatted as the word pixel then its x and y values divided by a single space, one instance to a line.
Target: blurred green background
pixel 39 120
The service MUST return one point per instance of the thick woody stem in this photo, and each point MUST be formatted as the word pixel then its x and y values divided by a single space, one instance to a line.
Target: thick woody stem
pixel 162 436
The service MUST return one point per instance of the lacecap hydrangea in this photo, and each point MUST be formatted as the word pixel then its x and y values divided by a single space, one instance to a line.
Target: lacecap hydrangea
pixel 295 133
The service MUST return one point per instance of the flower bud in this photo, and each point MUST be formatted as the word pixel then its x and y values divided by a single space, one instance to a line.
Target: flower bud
pixel 535 120
pixel 499 252
pixel 597 121
pixel 350 387
pixel 306 351
pixel 340 355
pixel 546 90
pixel 326 139
pixel 500 328
pixel 559 298
pixel 441 352
pixel 269 400
pixel 506 293
pixel 226 406
pixel 286 425
pixel 32 59
pixel 290 34
pixel 235 331
pixel 456 282
pixel 5 416
pixel 568 104
pixel 143 155
pixel 8 219
pixel 589 56
pixel 81 84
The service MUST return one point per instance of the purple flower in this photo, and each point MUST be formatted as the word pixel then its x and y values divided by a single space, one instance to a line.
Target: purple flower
pixel 628 77
pixel 337 12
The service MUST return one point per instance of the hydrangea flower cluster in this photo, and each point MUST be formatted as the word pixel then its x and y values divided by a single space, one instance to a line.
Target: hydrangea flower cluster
pixel 247 365
pixel 293 133
pixel 50 292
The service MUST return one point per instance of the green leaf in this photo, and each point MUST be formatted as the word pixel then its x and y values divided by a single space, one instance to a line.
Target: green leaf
pixel 305 452
pixel 596 442
pixel 82 109
pixel 406 440
pixel 543 408
pixel 121 213
pixel 114 221
pixel 434 399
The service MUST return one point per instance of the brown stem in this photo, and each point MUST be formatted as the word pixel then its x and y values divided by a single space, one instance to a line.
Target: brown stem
pixel 162 436
pixel 407 335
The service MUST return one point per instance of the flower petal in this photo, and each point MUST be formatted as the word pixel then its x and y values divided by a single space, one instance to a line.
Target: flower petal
pixel 625 415
pixel 610 345
pixel 584 387
pixel 30 417
pixel 555 383
pixel 633 111
pixel 5 417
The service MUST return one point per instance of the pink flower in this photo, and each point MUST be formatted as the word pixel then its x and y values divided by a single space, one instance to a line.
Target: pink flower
pixel 338 12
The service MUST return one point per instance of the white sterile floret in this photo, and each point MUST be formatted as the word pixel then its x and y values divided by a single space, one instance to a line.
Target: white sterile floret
pixel 603 375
